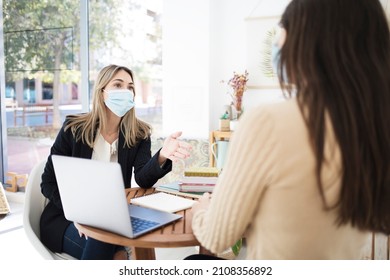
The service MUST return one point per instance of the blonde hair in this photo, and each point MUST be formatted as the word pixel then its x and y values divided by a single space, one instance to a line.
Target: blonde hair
pixel 84 126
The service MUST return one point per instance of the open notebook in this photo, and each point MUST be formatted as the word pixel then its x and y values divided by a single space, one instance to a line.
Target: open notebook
pixel 163 202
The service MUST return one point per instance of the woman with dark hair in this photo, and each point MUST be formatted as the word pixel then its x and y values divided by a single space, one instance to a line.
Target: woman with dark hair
pixel 109 132
pixel 309 178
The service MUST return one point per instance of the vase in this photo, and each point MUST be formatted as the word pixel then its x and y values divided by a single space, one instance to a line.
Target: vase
pixel 236 114
pixel 237 99
pixel 233 124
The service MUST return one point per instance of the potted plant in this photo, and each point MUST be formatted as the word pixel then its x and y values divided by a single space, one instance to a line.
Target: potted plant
pixel 224 122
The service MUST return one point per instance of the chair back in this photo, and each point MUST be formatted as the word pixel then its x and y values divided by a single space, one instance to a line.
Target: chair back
pixel 34 204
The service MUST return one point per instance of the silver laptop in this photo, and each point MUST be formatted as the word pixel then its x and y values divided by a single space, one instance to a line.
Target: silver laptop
pixel 92 193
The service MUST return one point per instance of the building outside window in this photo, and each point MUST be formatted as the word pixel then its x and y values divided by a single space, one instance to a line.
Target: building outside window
pixel 42 63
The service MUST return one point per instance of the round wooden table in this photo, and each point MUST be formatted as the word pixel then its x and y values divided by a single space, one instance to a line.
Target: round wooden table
pixel 176 234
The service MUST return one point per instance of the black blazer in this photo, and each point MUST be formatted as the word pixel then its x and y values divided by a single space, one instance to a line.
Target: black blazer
pixel 146 169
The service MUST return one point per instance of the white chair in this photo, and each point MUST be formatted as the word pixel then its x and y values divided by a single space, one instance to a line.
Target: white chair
pixel 33 207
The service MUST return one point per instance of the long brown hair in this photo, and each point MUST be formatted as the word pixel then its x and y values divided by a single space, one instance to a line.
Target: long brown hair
pixel 84 126
pixel 337 57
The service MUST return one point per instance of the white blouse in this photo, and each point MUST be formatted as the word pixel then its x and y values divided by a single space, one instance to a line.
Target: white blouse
pixel 104 151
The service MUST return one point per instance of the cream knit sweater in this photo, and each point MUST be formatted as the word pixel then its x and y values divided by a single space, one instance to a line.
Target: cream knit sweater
pixel 268 192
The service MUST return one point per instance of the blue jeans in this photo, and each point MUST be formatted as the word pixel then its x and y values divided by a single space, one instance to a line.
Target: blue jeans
pixel 87 249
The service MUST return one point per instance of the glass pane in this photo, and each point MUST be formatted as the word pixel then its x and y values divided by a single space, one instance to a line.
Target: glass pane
pixel 41 42
pixel 42 53
pixel 130 35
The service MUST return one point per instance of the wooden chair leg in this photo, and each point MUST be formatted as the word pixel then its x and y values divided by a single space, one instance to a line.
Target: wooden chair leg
pixel 144 253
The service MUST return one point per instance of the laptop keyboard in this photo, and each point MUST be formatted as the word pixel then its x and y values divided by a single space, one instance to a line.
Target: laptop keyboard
pixel 141 224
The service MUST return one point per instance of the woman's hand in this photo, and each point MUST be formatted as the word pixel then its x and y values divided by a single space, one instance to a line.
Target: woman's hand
pixel 174 149
pixel 202 204
pixel 81 233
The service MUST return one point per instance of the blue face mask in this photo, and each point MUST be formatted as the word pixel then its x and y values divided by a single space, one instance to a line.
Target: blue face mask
pixel 275 56
pixel 119 101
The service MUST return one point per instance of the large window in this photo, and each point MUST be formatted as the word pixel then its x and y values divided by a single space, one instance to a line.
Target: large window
pixel 42 65
pixel 132 37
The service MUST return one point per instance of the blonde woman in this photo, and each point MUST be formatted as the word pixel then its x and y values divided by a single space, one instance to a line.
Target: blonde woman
pixel 109 132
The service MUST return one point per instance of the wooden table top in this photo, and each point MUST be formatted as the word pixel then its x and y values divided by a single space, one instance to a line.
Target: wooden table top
pixel 176 234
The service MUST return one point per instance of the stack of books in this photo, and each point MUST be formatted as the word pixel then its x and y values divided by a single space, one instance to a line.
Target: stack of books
pixel 199 179
pixel 174 188
pixel 201 172
pixel 195 182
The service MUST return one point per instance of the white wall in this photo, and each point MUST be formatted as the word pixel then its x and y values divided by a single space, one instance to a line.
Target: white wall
pixel 228 50
pixel 186 67
pixel 203 43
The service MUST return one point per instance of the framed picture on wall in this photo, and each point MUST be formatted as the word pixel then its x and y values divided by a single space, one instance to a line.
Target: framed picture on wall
pixel 260 34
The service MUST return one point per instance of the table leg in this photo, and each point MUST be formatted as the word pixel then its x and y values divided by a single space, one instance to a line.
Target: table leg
pixel 144 253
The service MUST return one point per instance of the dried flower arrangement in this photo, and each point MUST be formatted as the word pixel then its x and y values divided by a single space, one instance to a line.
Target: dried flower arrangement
pixel 238 84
